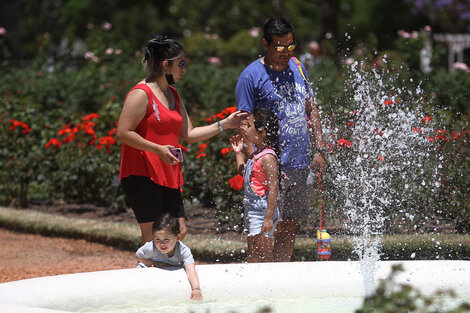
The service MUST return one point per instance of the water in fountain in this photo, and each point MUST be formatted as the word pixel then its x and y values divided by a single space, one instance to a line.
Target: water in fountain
pixel 379 161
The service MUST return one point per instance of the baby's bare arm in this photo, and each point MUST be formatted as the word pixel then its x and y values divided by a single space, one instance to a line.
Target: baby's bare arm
pixel 194 281
pixel 150 263
pixel 147 262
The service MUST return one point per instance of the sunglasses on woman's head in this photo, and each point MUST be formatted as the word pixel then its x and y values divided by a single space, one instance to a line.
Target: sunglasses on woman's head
pixel 281 48
pixel 182 63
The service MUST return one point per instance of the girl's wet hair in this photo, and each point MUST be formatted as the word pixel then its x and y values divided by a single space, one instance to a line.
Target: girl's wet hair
pixel 277 26
pixel 268 120
pixel 157 50
pixel 166 222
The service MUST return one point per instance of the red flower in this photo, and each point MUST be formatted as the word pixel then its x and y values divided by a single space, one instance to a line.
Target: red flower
pixel 202 147
pixel 351 124
pixel 54 142
pixel 89 131
pixel 229 110
pixel 330 148
pixel 112 132
pixel 220 115
pixel 69 138
pixel 388 102
pixel 90 116
pixel 236 182
pixel 430 139
pixel 86 124
pixel 15 124
pixel 208 119
pixel 200 155
pixel 26 130
pixel 427 119
pixel 440 134
pixel 381 158
pixel 224 151
pixel 344 143
pixel 455 135
pixel 417 130
pixel 65 131
pixel 378 132
pixel 108 140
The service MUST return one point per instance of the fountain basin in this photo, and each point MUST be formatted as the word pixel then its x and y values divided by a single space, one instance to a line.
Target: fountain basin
pixel 222 282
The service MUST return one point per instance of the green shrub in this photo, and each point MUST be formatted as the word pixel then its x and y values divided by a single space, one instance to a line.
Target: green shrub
pixel 392 297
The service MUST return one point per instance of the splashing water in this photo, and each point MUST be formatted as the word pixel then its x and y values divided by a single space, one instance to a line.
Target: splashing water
pixel 381 160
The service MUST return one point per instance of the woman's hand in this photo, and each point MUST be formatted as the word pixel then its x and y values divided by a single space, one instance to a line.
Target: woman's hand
pixel 233 120
pixel 164 153
pixel 183 228
pixel 236 142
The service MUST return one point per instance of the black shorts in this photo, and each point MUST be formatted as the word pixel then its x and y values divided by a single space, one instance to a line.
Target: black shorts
pixel 149 200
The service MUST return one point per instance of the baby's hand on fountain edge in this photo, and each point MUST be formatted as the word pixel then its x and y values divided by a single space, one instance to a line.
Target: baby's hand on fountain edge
pixel 196 294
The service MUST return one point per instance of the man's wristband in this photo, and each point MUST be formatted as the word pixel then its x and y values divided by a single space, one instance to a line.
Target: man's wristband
pixel 220 126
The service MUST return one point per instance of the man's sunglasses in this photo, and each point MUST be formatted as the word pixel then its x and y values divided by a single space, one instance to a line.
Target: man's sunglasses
pixel 281 48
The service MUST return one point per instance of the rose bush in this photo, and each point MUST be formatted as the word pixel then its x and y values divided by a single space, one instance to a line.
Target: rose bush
pixel 54 148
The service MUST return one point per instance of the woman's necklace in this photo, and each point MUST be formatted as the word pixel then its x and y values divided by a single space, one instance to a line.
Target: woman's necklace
pixel 168 95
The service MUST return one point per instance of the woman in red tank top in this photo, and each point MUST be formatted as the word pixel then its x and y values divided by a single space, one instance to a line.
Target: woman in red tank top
pixel 152 120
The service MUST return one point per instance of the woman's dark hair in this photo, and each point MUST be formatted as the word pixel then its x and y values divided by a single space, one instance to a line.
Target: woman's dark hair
pixel 166 222
pixel 279 27
pixel 267 119
pixel 157 50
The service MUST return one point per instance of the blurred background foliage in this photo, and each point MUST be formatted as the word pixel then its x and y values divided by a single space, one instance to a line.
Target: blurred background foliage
pixel 61 60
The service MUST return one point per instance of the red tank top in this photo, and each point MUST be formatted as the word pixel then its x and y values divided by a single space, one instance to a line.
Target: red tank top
pixel 258 181
pixel 159 125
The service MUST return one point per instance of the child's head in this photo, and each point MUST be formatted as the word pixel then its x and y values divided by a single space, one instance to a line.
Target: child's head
pixel 165 232
pixel 266 120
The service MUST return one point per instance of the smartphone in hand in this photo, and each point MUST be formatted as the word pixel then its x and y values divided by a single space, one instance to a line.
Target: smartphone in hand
pixel 177 152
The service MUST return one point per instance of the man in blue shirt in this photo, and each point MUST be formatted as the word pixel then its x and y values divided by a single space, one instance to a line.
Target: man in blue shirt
pixel 277 82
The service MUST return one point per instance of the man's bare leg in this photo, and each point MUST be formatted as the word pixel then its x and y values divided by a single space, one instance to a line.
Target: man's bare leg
pixel 260 249
pixel 284 240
